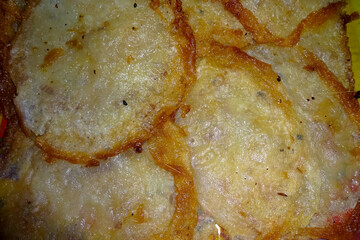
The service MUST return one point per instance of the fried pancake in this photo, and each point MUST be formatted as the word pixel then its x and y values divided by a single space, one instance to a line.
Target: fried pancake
pixel 240 136
pixel 127 197
pixel 329 127
pixel 271 125
pixel 274 137
pixel 93 80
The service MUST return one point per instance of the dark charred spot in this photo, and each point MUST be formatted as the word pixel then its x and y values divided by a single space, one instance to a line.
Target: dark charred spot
pixel 349 18
pixel 278 78
pixel 138 149
pixel 125 103
pixel 312 98
pixel 56 6
pixel 282 194
pixel 135 5
pixel 94 71
pixel 357 95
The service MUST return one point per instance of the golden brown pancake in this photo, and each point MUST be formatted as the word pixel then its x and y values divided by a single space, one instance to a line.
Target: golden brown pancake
pixel 93 80
pixel 263 144
pixel 128 197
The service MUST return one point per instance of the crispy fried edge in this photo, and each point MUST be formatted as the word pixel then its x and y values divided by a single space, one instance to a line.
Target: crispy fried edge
pixel 171 152
pixel 346 98
pixel 263 35
pixel 233 57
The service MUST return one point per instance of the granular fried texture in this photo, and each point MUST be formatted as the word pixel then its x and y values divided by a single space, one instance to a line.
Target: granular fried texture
pixel 94 80
pixel 221 119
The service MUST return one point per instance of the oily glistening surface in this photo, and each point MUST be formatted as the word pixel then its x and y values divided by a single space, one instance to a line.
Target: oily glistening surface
pixel 195 119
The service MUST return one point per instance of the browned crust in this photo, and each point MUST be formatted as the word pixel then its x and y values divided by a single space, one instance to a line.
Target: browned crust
pixel 186 40
pixel 346 98
pixel 349 75
pixel 187 44
pixel 171 152
pixel 85 158
pixel 263 35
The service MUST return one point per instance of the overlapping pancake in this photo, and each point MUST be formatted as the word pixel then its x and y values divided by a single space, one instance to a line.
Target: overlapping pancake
pixel 332 125
pixel 274 135
pixel 93 80
pixel 270 124
pixel 247 149
pixel 127 197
